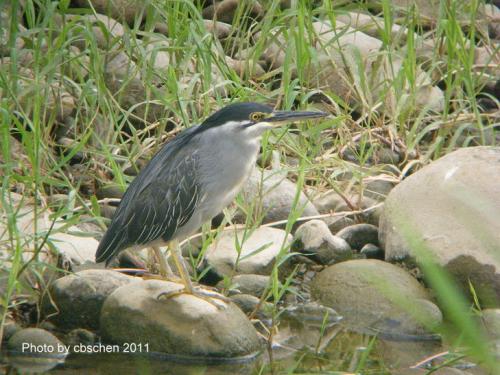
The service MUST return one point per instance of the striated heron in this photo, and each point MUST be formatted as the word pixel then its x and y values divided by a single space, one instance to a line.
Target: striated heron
pixel 189 181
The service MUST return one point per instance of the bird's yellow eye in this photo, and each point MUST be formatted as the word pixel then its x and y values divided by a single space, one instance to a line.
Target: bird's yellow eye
pixel 257 116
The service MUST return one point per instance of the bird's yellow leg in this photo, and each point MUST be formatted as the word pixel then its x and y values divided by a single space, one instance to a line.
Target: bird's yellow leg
pixel 181 266
pixel 165 270
pixel 204 294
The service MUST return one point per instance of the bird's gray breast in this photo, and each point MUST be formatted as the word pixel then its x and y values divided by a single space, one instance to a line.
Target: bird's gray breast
pixel 224 164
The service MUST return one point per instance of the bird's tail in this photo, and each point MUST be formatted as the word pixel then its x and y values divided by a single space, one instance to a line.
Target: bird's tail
pixel 110 245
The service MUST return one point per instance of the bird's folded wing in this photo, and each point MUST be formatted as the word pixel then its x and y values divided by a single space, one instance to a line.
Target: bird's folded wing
pixel 161 199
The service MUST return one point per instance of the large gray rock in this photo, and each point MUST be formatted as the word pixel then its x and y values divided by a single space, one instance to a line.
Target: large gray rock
pixel 452 204
pixel 181 325
pixel 376 296
pixel 315 240
pixel 74 248
pixel 257 254
pixel 76 300
pixel 70 246
pixel 274 194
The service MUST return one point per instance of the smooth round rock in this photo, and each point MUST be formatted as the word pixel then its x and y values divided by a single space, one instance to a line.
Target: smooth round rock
pixel 386 156
pixel 371 251
pixel 10 327
pixel 327 202
pixel 35 350
pixel 254 285
pixel 358 235
pixel 248 69
pixel 315 240
pixel 312 313
pixel 257 254
pixel 79 297
pixel 248 303
pixel 376 296
pixel 276 196
pixel 337 223
pixel 123 79
pixel 107 210
pixel 80 336
pixel 184 324
pixel 109 191
pixel 123 10
pixel 57 201
pixel 378 188
pixel 452 204
pixel 226 10
pixel 330 202
pixel 36 342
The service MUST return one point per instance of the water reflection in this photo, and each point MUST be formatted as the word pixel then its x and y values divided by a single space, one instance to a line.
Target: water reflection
pixel 126 364
pixel 309 339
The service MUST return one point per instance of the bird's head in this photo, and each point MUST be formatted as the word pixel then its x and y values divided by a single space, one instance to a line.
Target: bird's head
pixel 252 119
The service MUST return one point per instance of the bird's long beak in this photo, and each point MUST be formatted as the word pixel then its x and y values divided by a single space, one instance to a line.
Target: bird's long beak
pixel 282 117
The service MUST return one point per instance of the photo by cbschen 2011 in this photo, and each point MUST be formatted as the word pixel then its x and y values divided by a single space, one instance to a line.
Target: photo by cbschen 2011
pixel 249 187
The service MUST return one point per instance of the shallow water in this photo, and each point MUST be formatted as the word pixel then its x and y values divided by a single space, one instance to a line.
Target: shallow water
pixel 296 346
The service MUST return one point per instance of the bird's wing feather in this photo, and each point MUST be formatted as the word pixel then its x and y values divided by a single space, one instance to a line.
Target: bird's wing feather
pixel 163 206
pixel 161 199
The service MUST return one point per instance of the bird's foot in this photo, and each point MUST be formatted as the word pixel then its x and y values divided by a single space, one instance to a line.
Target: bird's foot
pixel 152 276
pixel 209 296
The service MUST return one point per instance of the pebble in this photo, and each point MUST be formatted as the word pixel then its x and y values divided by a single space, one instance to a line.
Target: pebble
pixel 36 342
pixel 315 240
pixel 80 336
pixel 248 303
pixel 110 191
pixel 358 235
pixel 254 285
pixel 10 327
pixel 371 251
